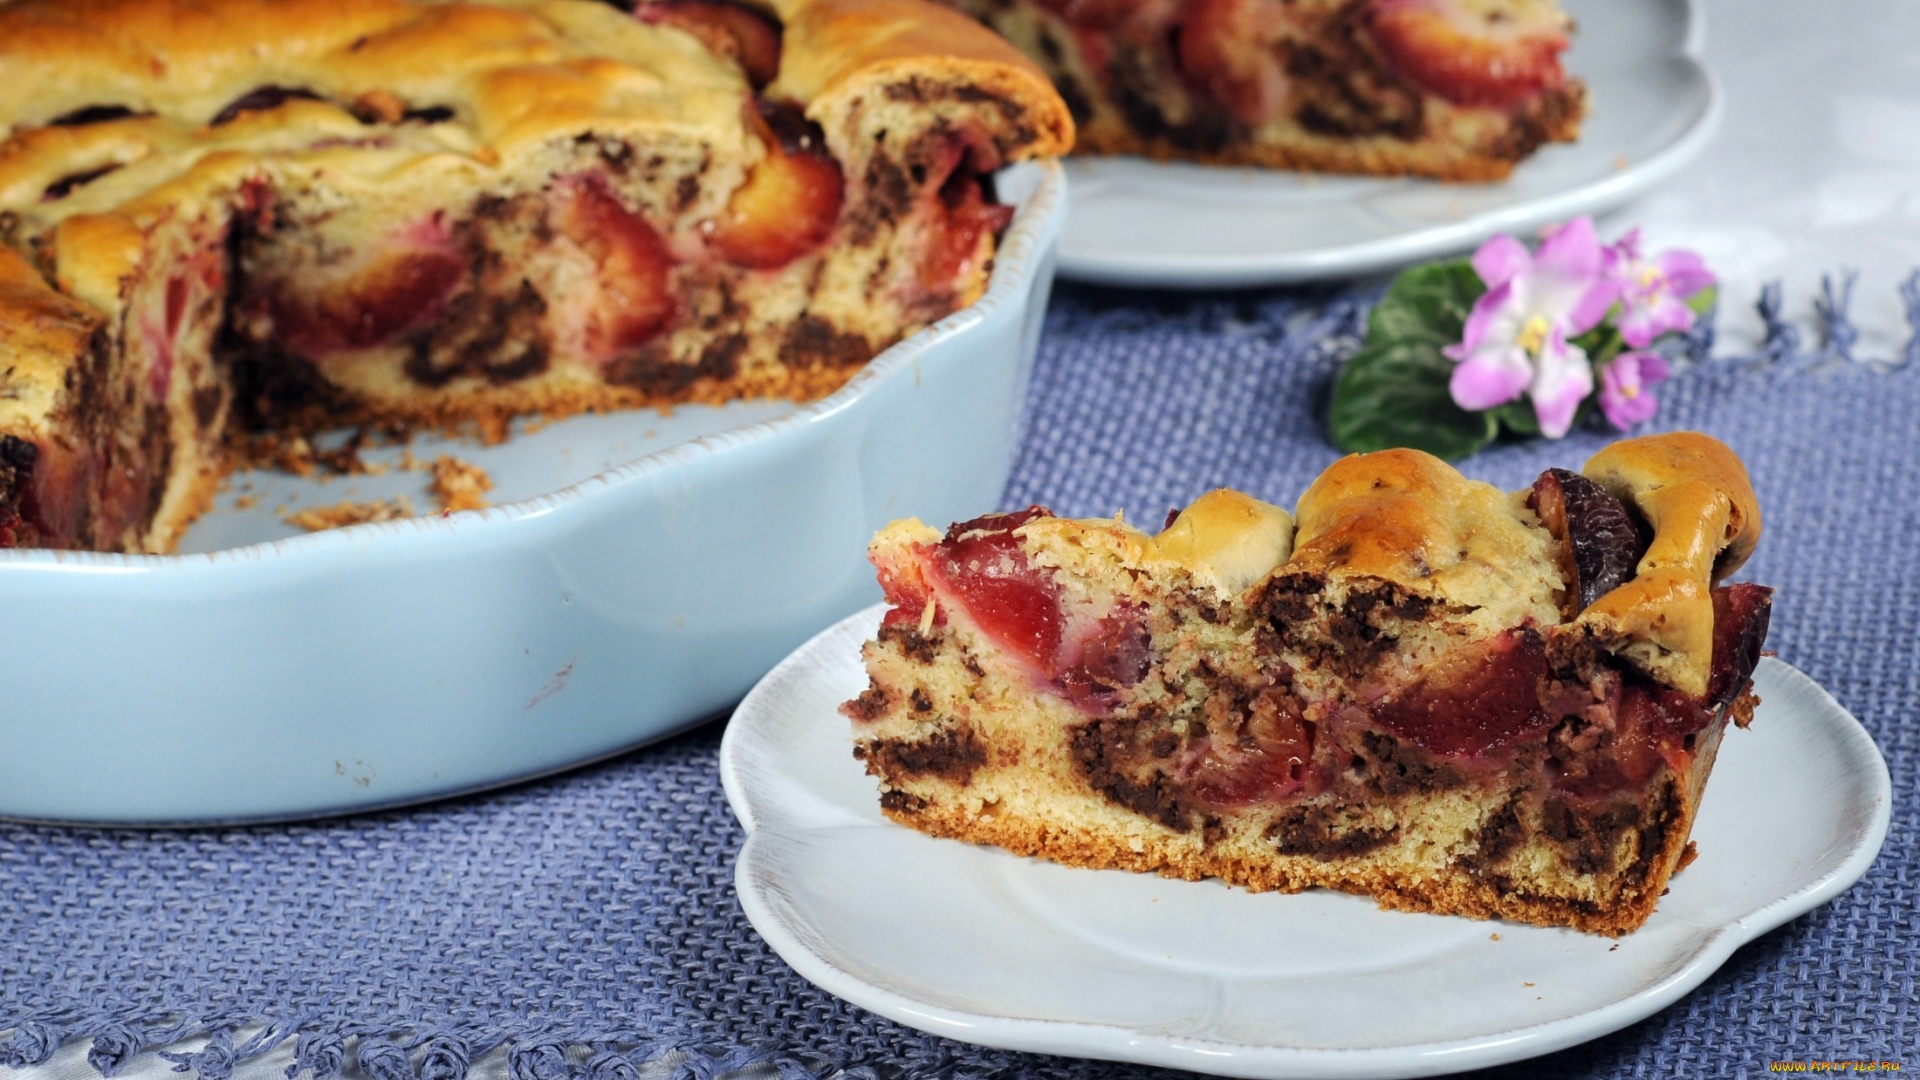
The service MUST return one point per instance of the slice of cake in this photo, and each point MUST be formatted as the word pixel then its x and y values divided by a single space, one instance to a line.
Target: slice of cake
pixel 1443 696
pixel 1451 89
pixel 225 218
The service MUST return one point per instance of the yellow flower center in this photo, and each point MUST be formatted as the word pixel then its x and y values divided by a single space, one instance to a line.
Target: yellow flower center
pixel 1649 277
pixel 1533 334
pixel 1629 392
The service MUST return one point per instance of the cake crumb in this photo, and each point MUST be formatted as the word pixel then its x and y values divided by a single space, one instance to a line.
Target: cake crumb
pixel 1687 855
pixel 298 455
pixel 339 515
pixel 1526 984
pixel 1493 937
pixel 494 429
pixel 245 502
pixel 460 485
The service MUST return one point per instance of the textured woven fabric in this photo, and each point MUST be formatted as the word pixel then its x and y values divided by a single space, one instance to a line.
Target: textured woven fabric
pixel 587 924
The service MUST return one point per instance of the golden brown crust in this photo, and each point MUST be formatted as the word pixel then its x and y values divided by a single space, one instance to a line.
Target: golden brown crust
pixel 493 62
pixel 1227 540
pixel 1632 468
pixel 1406 517
pixel 843 49
pixel 1695 494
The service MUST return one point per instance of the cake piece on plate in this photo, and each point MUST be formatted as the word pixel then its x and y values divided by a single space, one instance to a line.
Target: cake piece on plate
pixel 1451 89
pixel 1444 696
pixel 222 216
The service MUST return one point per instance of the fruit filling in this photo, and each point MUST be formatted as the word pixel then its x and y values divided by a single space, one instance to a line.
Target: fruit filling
pixel 1598 541
pixel 372 297
pixel 791 200
pixel 1086 653
pixel 1496 53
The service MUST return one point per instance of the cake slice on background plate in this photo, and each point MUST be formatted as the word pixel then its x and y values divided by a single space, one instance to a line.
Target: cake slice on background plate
pixel 1447 697
pixel 1450 89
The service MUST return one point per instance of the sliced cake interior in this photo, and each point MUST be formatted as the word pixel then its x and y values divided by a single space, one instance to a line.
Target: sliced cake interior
pixel 1453 89
pixel 277 217
pixel 1422 693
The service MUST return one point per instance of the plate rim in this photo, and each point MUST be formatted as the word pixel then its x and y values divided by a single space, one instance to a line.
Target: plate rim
pixel 1020 255
pixel 1191 271
pixel 1119 1043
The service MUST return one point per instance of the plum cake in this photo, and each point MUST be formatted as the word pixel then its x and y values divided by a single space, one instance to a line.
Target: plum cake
pixel 1419 688
pixel 226 218
pixel 1451 89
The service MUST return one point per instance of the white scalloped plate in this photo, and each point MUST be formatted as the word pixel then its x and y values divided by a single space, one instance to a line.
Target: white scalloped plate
pixel 1654 107
pixel 979 945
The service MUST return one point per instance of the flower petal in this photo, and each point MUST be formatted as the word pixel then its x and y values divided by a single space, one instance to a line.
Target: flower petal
pixel 1686 273
pixel 1562 379
pixel 1593 305
pixel 1625 396
pixel 1490 377
pixel 1572 252
pixel 1659 313
pixel 1496 314
pixel 1499 259
pixel 1627 248
pixel 1570 281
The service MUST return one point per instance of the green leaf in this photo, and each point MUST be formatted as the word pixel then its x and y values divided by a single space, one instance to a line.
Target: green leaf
pixel 1393 392
pixel 1601 344
pixel 1703 301
pixel 1518 417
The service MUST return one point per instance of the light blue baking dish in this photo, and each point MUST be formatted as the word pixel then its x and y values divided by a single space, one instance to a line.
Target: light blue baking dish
pixel 397 662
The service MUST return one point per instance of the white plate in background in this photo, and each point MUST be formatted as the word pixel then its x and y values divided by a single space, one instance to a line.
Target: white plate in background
pixel 1653 106
pixel 983 946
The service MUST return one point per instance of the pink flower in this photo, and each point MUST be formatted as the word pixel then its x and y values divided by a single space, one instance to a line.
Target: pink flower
pixel 1653 293
pixel 1516 335
pixel 1626 387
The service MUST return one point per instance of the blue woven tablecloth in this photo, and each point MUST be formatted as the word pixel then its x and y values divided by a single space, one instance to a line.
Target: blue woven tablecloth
pixel 587 924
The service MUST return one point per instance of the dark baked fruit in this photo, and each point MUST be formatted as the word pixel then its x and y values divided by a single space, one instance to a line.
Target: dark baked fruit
pixel 1598 541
